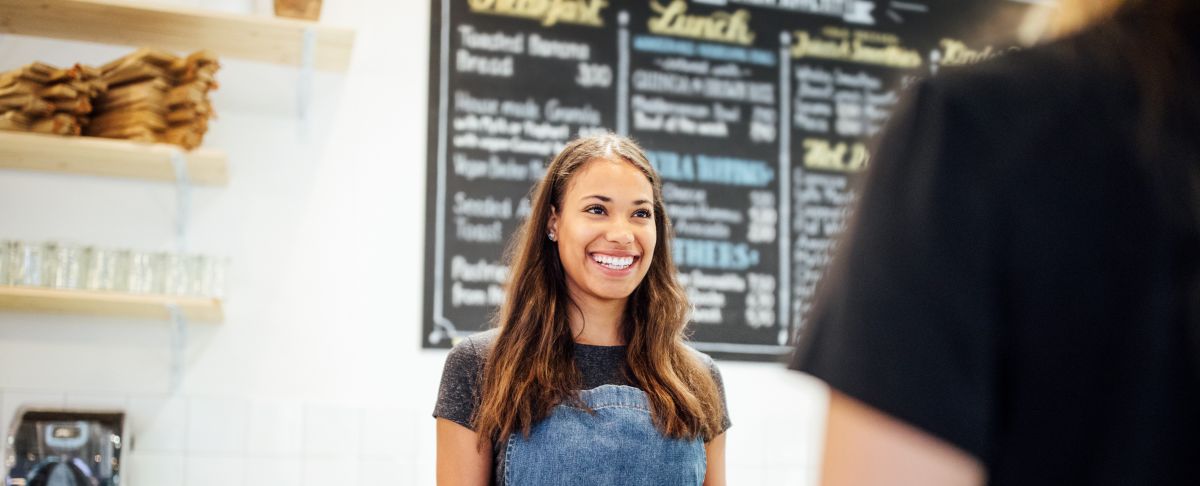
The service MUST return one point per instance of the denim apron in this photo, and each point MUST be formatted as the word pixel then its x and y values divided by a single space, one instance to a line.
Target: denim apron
pixel 619 445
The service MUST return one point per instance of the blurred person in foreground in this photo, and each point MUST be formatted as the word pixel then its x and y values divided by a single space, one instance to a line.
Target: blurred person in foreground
pixel 1017 298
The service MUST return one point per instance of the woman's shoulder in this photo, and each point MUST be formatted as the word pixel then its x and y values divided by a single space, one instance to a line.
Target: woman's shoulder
pixel 459 394
pixel 703 358
pixel 469 354
pixel 708 363
pixel 480 341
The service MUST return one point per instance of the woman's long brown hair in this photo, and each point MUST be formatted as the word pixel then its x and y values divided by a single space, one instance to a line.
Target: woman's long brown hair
pixel 530 368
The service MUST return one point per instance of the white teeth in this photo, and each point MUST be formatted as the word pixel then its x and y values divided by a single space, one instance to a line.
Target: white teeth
pixel 615 263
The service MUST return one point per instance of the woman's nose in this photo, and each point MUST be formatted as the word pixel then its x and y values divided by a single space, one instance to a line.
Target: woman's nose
pixel 620 233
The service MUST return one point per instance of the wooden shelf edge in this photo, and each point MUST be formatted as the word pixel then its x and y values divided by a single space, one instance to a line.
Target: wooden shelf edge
pixel 256 38
pixel 109 157
pixel 196 309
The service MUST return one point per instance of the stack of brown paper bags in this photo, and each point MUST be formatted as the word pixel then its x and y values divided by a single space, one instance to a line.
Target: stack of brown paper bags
pixel 46 99
pixel 189 107
pixel 155 96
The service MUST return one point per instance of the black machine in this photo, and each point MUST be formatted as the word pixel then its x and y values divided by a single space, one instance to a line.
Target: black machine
pixel 61 448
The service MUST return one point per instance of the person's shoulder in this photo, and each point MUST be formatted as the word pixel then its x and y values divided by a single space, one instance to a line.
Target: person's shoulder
pixel 481 340
pixel 1002 111
pixel 705 360
pixel 711 365
pixel 472 350
pixel 699 355
pixel 1041 79
pixel 458 396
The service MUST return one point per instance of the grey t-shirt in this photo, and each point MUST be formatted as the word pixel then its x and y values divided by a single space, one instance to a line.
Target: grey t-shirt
pixel 459 395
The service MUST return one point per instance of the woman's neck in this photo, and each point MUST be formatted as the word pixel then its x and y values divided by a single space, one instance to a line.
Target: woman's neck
pixel 598 322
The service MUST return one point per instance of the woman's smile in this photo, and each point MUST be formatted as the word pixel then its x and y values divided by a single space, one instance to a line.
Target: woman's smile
pixel 615 264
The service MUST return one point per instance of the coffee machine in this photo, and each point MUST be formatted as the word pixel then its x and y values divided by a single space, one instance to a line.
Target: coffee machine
pixel 64 448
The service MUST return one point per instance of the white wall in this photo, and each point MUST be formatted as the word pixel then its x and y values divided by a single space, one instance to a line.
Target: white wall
pixel 316 375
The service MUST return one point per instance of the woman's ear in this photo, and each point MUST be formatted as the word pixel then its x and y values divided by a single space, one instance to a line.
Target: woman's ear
pixel 552 225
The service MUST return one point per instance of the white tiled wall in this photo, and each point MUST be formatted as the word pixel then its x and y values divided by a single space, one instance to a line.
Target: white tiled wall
pixel 231 441
pixel 275 429
pixel 316 376
pixel 156 468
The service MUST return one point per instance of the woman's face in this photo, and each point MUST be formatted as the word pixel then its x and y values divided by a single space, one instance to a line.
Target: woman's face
pixel 604 226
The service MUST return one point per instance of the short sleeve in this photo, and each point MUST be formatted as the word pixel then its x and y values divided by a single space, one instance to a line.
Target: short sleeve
pixel 458 395
pixel 726 423
pixel 713 370
pixel 906 318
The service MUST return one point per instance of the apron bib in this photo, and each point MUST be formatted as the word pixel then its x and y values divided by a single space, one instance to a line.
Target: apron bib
pixel 619 445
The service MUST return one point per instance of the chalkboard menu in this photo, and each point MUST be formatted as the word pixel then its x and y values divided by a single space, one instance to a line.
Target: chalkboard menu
pixel 758 115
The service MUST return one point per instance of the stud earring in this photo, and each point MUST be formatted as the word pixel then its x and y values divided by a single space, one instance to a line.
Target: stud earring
pixel 551 236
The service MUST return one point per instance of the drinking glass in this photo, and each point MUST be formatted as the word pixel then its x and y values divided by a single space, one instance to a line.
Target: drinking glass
pixel 175 280
pixel 108 270
pixel 65 266
pixel 5 265
pixel 27 265
pixel 143 277
pixel 206 276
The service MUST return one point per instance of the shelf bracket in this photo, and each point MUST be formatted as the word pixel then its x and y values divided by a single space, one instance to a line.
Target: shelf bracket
pixel 308 61
pixel 183 195
pixel 179 337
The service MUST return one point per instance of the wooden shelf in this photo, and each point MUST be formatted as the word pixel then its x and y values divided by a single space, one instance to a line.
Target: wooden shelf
pixel 108 303
pixel 255 38
pixel 108 157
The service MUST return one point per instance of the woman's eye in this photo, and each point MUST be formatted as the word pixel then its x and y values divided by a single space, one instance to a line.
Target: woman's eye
pixel 594 210
pixel 641 213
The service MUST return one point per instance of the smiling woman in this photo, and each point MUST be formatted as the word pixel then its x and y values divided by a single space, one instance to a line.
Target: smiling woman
pixel 605 240
pixel 587 379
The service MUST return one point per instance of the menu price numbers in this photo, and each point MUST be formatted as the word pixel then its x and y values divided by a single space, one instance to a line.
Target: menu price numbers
pixel 760 300
pixel 763 217
pixel 592 75
pixel 762 125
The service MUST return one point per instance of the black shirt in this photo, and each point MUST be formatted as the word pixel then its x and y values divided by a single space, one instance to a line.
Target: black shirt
pixel 1009 284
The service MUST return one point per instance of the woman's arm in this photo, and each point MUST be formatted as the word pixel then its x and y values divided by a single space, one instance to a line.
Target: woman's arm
pixel 459 461
pixel 865 447
pixel 714 451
